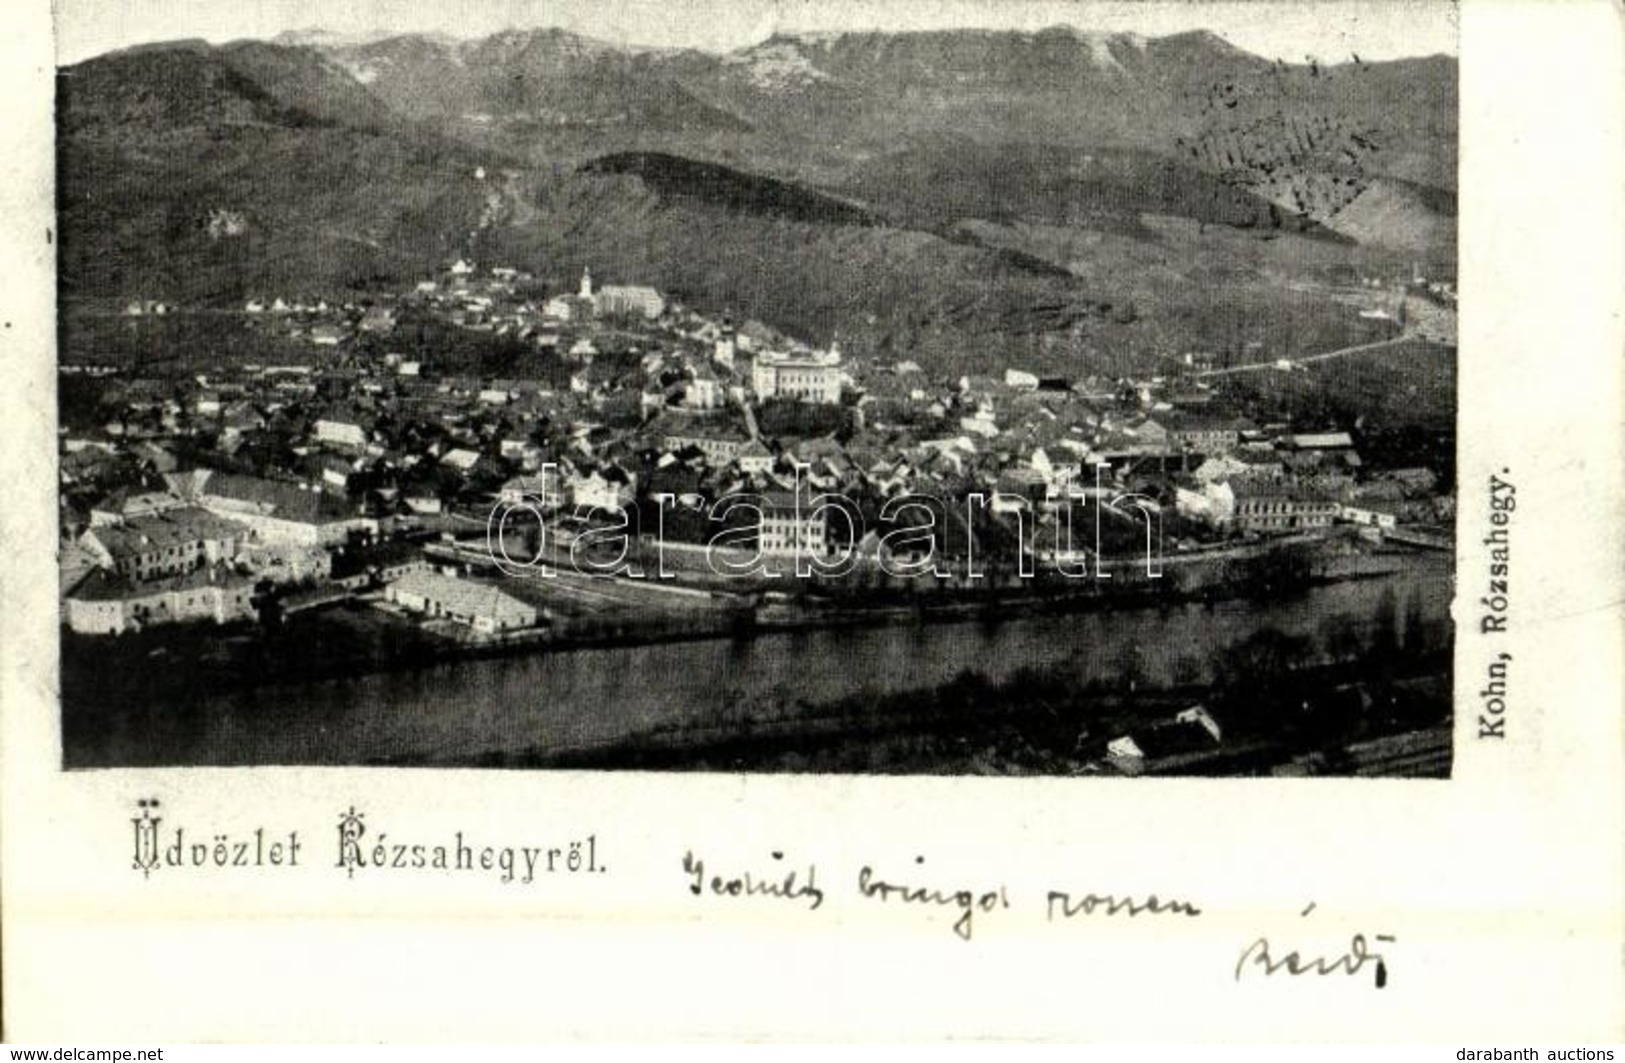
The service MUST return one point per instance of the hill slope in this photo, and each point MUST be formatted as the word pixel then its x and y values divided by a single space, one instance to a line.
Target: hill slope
pixel 963 198
pixel 216 173
pixel 945 180
pixel 1400 216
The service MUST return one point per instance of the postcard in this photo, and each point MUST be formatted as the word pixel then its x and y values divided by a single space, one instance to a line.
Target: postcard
pixel 1028 520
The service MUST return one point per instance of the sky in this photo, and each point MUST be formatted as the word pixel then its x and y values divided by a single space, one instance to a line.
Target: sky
pixel 1327 29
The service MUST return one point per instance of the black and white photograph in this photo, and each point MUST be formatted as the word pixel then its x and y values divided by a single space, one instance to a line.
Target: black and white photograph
pixel 648 520
pixel 876 388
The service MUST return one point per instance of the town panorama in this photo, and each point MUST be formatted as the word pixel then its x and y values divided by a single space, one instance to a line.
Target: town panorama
pixel 1060 403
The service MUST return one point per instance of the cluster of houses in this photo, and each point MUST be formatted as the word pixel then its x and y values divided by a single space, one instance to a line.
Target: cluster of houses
pixel 195 491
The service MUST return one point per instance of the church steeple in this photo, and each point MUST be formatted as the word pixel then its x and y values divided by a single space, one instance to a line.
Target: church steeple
pixel 586 283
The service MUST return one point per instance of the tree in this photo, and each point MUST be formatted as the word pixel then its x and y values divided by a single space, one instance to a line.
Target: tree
pixel 1341 638
pixel 1264 659
pixel 1187 670
pixel 1129 666
pixel 1385 627
pixel 1415 639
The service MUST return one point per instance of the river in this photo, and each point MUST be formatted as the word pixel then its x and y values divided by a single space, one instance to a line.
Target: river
pixel 549 701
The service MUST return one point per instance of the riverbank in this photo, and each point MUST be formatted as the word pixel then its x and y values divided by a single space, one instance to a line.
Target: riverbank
pixel 1365 715
pixel 464 709
pixel 351 639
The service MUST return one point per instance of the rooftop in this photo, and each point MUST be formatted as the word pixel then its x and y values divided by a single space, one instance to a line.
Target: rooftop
pixel 103 586
pixel 459 595
pixel 281 499
pixel 174 527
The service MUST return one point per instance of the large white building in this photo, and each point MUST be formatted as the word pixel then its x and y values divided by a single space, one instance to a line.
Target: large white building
pixel 631 299
pixel 1267 508
pixel 704 391
pixel 480 606
pixel 621 298
pixel 814 378
pixel 105 604
pixel 789 529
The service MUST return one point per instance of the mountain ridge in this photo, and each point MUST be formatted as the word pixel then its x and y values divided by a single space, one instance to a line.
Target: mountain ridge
pixel 320 37
pixel 935 193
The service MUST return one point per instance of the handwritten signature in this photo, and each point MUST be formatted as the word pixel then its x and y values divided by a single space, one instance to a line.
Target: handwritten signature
pixel 1260 958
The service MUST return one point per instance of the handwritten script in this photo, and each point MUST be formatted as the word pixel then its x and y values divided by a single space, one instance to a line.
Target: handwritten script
pixel 915 891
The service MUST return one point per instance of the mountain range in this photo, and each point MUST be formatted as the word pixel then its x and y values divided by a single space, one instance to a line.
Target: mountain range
pixel 1061 195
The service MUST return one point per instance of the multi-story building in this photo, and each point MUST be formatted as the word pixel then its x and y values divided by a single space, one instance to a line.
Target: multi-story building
pixel 161 545
pixel 279 512
pixel 704 391
pixel 631 299
pixel 790 528
pixel 1196 432
pixel 813 378
pixel 1261 508
pixel 105 604
pixel 718 449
